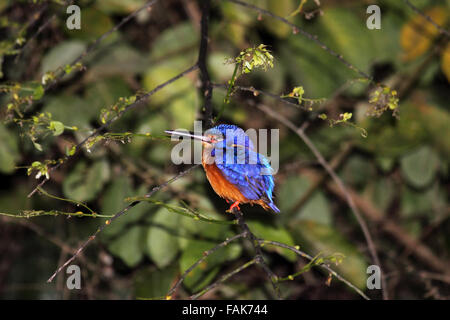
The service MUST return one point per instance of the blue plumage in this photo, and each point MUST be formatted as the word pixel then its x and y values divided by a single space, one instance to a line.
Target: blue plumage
pixel 241 165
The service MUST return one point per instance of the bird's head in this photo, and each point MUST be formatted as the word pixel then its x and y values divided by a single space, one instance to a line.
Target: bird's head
pixel 222 133
pixel 221 138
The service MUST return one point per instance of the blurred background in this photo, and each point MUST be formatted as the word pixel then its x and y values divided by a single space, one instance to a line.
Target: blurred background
pixel 397 175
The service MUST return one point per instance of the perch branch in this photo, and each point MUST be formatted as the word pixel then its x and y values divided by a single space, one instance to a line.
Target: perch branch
pixel 259 258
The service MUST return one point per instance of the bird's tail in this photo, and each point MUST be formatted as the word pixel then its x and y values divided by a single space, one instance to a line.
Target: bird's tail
pixel 273 207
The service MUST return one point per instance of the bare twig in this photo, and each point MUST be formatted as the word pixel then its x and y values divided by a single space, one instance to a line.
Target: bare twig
pixel 51 238
pixel 428 18
pixel 117 215
pixel 205 255
pixel 35 18
pixel 224 278
pixel 338 181
pixel 256 92
pixel 334 164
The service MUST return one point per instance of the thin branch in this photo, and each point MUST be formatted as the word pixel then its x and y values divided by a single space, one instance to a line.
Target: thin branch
pixel 256 92
pixel 205 255
pixel 324 266
pixel 334 164
pixel 51 238
pixel 428 18
pixel 97 41
pixel 418 249
pixel 117 215
pixel 44 26
pixel 306 34
pixel 259 258
pixel 224 278
pixel 339 182
pixel 141 99
pixel 206 88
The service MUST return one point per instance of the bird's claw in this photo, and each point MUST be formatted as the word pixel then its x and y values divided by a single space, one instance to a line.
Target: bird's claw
pixel 234 205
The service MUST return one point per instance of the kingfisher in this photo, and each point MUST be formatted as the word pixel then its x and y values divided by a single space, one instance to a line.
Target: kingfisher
pixel 234 169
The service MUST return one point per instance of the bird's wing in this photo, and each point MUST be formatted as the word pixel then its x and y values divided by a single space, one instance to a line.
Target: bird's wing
pixel 249 171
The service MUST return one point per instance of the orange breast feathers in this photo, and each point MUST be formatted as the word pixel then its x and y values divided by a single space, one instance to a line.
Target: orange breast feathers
pixel 225 189
pixel 222 186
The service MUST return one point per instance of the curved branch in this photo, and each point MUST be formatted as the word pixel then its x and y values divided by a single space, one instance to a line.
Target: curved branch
pixel 308 257
pixel 205 255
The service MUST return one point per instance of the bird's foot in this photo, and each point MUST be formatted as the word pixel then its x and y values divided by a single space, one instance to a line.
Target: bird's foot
pixel 234 205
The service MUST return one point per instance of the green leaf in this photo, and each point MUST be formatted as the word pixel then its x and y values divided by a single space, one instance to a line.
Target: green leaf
pixel 104 93
pixel 119 60
pixel 204 273
pixel 180 39
pixel 358 171
pixel 128 245
pixel 316 208
pixel 38 146
pixel 349 36
pixel 57 127
pixel 384 192
pixel 119 6
pixel 94 23
pixel 162 241
pixel 59 105
pixel 38 92
pixel 279 234
pixel 180 99
pixel 62 54
pixel 424 202
pixel 84 183
pixel 220 71
pixel 420 166
pixel 282 8
pixel 9 151
pixel 151 283
pixel 113 200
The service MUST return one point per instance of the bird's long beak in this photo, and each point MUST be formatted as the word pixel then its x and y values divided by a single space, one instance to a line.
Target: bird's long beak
pixel 186 134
